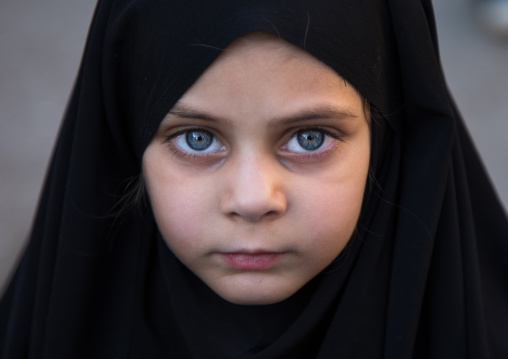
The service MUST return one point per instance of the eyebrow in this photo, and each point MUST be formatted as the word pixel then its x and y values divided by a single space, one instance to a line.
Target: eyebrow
pixel 319 112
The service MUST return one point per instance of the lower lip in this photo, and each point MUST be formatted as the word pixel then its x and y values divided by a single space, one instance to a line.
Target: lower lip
pixel 245 261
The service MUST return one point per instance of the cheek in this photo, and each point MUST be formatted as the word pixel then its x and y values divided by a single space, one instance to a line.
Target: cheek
pixel 181 209
pixel 332 219
pixel 331 210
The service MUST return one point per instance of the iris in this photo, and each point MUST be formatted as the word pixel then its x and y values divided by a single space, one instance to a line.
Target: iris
pixel 310 139
pixel 199 140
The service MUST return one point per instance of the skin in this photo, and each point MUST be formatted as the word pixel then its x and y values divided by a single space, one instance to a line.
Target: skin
pixel 256 190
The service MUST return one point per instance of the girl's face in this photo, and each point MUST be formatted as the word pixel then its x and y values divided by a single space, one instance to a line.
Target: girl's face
pixel 256 176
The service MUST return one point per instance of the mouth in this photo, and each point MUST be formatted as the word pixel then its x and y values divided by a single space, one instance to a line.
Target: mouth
pixel 252 261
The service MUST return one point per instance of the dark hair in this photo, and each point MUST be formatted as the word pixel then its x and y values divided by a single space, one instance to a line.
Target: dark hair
pixel 134 198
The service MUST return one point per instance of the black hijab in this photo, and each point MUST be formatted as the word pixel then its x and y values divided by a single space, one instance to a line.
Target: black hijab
pixel 423 276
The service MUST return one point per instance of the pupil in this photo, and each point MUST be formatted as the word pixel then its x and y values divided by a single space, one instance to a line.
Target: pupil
pixel 199 140
pixel 311 139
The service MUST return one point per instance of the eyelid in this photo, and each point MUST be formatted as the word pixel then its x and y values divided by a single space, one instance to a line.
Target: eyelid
pixel 327 132
pixel 312 156
pixel 182 130
pixel 196 155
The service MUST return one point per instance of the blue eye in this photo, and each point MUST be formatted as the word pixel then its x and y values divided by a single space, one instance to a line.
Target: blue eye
pixel 199 140
pixel 310 140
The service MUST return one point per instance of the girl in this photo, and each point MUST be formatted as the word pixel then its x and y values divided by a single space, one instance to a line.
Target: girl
pixel 262 179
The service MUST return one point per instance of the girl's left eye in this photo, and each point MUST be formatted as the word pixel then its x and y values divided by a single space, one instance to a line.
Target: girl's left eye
pixel 197 141
pixel 308 140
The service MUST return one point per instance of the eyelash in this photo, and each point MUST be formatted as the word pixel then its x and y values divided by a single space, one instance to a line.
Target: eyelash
pixel 320 152
pixel 193 156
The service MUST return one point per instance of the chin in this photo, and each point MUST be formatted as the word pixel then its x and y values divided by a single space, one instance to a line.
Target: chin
pixel 250 300
pixel 256 295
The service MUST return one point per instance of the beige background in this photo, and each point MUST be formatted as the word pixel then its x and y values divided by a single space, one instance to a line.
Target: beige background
pixel 40 48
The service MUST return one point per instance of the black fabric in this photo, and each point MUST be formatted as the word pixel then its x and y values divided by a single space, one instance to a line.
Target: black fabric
pixel 423 276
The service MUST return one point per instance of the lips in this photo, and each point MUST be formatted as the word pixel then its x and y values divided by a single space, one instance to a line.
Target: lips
pixel 252 261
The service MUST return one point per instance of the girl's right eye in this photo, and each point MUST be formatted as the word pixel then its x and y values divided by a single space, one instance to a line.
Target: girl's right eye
pixel 196 141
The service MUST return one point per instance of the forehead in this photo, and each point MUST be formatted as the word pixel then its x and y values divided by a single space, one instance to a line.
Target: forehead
pixel 261 68
pixel 264 52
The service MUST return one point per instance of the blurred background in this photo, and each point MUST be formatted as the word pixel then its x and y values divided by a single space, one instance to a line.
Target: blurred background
pixel 40 49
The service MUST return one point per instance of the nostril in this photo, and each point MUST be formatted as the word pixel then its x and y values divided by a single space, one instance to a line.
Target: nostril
pixel 271 214
pixel 253 216
pixel 254 212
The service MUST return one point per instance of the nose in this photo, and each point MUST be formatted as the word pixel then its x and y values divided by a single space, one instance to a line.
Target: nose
pixel 254 191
